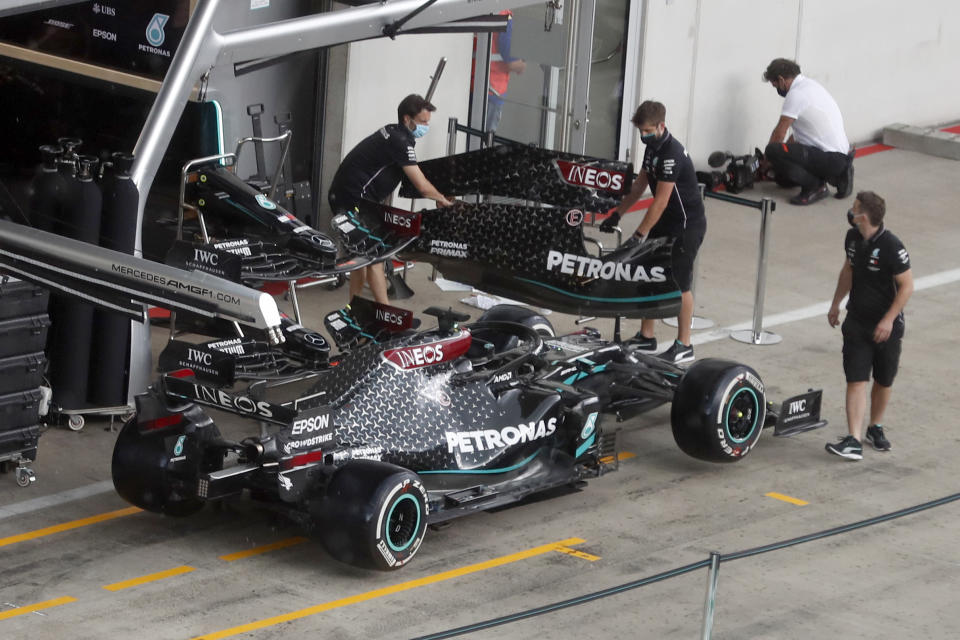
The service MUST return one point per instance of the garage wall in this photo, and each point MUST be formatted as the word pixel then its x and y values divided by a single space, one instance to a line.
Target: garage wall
pixel 381 72
pixel 882 60
pixel 284 87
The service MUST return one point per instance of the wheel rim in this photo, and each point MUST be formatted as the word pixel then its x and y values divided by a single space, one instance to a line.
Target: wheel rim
pixel 403 522
pixel 743 412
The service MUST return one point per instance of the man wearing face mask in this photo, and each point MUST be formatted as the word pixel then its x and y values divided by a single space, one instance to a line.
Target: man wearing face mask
pixel 818 152
pixel 677 212
pixel 373 169
pixel 878 277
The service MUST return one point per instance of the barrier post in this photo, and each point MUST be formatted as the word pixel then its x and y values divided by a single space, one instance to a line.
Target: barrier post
pixel 709 604
pixel 757 335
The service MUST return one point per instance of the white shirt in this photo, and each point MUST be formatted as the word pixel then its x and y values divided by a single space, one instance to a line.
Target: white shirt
pixel 817 119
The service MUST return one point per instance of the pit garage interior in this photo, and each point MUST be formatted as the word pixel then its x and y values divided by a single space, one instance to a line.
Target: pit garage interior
pixel 805 547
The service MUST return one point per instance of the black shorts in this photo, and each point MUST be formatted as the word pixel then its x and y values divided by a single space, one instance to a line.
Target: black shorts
pixel 685 250
pixel 861 354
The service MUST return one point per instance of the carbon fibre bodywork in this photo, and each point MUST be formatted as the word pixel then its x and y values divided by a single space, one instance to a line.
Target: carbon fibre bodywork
pixel 523 236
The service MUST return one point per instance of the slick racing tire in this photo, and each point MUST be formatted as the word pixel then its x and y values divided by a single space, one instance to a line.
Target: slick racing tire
pixel 140 474
pixel 520 315
pixel 718 411
pixel 374 515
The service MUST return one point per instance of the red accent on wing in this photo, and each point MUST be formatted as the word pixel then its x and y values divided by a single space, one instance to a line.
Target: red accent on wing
pixel 430 353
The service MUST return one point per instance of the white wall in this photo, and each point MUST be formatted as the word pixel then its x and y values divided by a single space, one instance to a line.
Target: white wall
pixel 884 61
pixel 381 72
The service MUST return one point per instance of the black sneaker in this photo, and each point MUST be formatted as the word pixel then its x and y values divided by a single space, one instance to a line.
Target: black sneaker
pixel 809 197
pixel 845 179
pixel 644 344
pixel 677 353
pixel 848 448
pixel 876 439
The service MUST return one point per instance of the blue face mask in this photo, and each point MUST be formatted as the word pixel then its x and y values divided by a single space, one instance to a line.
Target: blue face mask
pixel 420 130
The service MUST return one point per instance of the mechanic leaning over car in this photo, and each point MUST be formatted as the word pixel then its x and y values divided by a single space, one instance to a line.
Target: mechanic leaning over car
pixel 373 169
pixel 677 212
pixel 877 275
pixel 818 151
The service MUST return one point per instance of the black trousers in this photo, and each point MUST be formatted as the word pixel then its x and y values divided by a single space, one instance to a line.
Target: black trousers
pixel 809 167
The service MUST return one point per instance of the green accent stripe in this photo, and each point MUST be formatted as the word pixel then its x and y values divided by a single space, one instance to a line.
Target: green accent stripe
pixel 586 445
pixel 522 463
pixel 661 296
pixel 583 374
pixel 219 113
pixel 242 208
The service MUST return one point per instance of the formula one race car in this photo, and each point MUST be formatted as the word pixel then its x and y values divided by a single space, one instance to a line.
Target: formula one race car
pixel 410 428
pixel 422 427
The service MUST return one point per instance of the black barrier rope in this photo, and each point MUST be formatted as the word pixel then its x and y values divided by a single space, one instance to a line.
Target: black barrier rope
pixel 596 595
pixel 726 197
pixel 841 529
pixel 556 606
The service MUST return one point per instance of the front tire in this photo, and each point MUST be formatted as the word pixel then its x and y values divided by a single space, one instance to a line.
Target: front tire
pixel 374 515
pixel 718 411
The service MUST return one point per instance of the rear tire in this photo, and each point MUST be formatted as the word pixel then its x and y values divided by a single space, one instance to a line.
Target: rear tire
pixel 374 515
pixel 140 476
pixel 718 411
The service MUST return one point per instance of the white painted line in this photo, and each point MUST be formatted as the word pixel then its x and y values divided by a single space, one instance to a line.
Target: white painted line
pixel 819 309
pixel 56 499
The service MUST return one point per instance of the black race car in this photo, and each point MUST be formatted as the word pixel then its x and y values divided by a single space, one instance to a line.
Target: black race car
pixel 409 428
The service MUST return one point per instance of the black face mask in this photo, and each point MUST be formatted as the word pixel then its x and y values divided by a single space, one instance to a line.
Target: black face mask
pixel 850 218
pixel 782 92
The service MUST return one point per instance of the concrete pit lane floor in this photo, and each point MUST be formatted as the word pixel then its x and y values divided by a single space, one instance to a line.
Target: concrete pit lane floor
pixel 77 562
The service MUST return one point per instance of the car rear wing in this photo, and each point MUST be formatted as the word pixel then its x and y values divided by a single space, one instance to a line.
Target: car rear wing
pixel 123 283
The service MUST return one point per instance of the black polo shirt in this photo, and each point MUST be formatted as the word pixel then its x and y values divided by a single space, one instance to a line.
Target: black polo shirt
pixel 668 161
pixel 373 168
pixel 875 262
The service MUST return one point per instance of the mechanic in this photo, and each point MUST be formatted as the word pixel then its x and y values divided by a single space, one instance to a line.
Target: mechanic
pixel 818 151
pixel 677 212
pixel 373 169
pixel 878 278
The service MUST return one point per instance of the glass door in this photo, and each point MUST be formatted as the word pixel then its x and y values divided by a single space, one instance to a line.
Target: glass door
pixel 607 66
pixel 555 78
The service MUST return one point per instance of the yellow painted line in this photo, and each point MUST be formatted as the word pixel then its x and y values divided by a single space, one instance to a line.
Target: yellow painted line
pixel 153 577
pixel 623 455
pixel 67 526
pixel 19 611
pixel 281 544
pixel 780 496
pixel 385 591
pixel 578 554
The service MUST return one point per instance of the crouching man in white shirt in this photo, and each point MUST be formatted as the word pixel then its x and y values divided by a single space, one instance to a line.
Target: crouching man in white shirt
pixel 817 153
